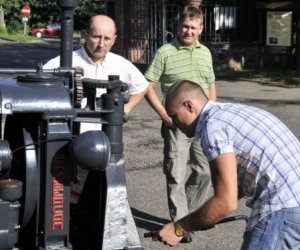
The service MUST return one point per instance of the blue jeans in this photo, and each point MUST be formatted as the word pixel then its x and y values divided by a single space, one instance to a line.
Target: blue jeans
pixel 278 231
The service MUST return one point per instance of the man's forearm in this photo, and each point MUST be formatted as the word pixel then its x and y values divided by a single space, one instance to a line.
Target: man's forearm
pixel 208 215
pixel 212 92
pixel 133 101
pixel 156 104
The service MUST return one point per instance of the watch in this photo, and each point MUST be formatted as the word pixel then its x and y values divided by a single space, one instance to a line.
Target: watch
pixel 179 230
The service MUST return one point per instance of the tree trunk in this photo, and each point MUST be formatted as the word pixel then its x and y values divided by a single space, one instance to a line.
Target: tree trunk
pixel 2 23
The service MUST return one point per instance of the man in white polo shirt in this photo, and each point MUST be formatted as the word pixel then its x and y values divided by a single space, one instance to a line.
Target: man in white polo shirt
pixel 95 58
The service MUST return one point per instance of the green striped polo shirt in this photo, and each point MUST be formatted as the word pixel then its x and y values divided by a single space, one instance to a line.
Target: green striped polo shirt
pixel 173 62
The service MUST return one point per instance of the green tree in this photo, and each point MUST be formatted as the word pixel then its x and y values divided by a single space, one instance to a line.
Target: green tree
pixel 44 12
pixel 2 23
pixel 12 14
pixel 86 9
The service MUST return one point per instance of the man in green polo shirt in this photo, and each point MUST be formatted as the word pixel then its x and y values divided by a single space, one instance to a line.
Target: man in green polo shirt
pixel 185 166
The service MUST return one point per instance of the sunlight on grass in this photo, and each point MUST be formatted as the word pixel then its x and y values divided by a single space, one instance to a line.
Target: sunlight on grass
pixel 275 75
pixel 18 37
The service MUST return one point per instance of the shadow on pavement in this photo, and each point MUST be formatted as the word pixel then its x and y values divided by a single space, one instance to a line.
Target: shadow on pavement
pixel 147 221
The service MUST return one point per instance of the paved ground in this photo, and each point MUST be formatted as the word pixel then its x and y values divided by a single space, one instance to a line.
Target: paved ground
pixel 28 55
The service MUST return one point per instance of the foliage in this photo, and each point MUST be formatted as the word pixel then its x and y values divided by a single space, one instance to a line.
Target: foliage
pixel 44 12
pixel 39 17
pixel 14 27
pixel 86 9
pixel 12 13
pixel 3 30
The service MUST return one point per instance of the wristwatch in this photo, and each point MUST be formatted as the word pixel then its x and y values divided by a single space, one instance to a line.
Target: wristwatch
pixel 179 230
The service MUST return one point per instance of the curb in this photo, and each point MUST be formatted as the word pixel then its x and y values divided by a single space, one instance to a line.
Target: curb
pixel 56 45
pixel 271 84
pixel 267 101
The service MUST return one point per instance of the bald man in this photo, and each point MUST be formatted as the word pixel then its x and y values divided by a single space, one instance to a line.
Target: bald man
pixel 95 58
pixel 98 62
pixel 250 153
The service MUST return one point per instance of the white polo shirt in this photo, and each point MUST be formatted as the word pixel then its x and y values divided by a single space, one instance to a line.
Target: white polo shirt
pixel 112 64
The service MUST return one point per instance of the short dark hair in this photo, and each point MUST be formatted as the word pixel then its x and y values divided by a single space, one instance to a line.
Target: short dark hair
pixel 191 13
pixel 182 89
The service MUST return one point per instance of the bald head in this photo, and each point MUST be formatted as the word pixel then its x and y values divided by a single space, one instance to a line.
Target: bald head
pixel 101 20
pixel 184 90
pixel 184 103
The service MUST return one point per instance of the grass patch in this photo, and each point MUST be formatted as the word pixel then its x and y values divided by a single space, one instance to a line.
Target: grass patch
pixel 269 75
pixel 18 37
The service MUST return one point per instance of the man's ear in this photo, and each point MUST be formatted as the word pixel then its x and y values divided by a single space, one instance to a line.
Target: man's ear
pixel 188 105
pixel 114 40
pixel 84 34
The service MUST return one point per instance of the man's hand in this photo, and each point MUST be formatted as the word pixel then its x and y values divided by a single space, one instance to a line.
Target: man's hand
pixel 167 235
pixel 168 121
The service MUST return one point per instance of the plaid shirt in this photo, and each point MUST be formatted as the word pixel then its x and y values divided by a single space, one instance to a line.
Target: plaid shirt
pixel 267 154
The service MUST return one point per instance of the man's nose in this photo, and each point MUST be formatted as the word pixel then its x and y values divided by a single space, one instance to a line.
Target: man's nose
pixel 189 30
pixel 101 42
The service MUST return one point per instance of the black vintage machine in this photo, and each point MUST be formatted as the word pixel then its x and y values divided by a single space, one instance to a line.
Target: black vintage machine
pixel 41 150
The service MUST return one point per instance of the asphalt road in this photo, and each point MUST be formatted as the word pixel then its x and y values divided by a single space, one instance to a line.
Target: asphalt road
pixel 28 55
pixel 143 149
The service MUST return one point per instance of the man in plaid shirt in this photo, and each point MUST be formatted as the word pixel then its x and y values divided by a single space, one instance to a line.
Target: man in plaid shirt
pixel 251 153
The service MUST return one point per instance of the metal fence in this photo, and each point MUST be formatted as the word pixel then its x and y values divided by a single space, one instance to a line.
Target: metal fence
pixel 144 29
pixel 220 21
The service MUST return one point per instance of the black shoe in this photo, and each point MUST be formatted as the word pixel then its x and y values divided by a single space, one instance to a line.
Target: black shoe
pixel 186 238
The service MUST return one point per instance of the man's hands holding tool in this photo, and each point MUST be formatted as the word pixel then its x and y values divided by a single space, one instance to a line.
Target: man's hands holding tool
pixel 166 235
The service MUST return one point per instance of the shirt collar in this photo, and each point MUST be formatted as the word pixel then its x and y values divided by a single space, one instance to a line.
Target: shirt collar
pixel 179 45
pixel 202 118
